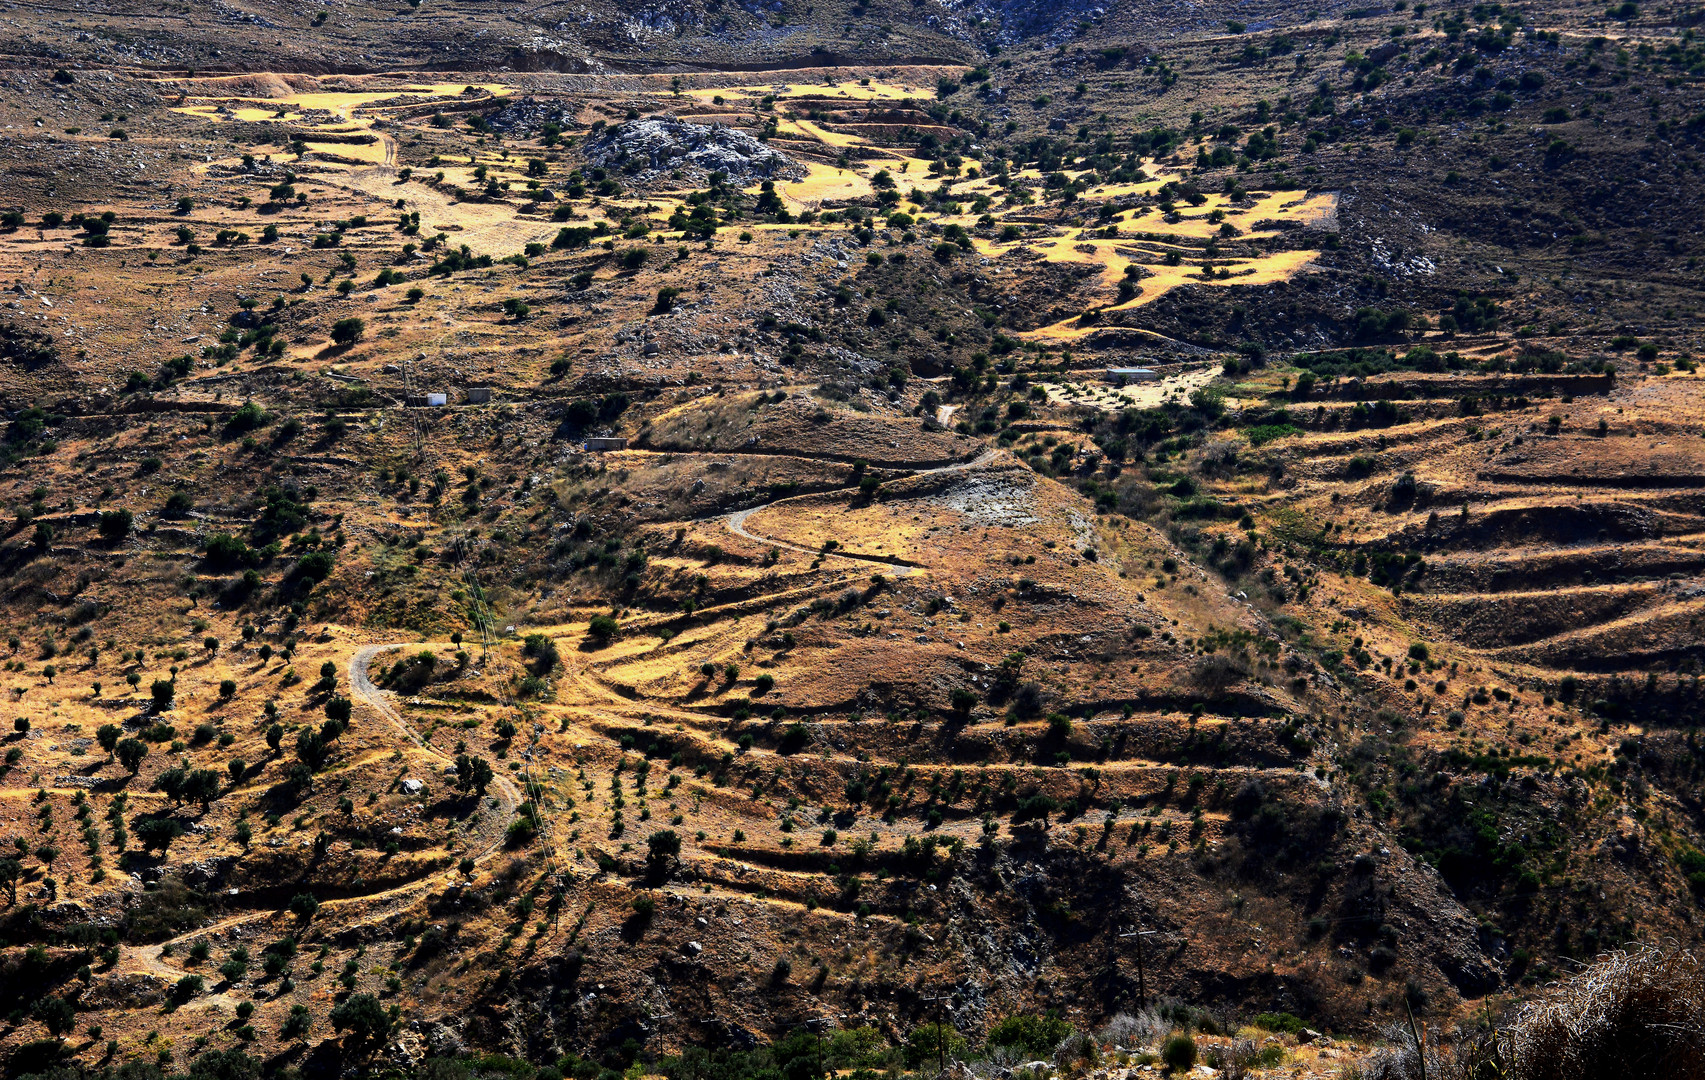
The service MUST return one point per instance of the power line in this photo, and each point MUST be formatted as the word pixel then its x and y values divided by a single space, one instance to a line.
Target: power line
pixel 418 427
pixel 529 787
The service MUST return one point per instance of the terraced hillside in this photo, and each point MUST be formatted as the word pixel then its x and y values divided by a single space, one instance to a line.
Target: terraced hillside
pixel 908 550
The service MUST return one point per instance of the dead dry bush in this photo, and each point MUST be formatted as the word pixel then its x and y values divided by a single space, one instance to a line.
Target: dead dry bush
pixel 1218 673
pixel 1634 1013
pixel 1236 1060
pixel 1478 1056
pixel 1639 1012
pixel 1143 1028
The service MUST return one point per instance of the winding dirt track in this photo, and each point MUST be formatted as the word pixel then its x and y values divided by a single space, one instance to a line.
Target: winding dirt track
pixel 736 522
pixel 362 686
pixel 508 797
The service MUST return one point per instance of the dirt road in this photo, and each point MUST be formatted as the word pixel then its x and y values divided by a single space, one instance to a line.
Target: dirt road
pixel 377 905
pixel 736 522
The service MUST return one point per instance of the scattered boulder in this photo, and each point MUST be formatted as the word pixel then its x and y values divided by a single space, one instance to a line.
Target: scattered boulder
pixel 407 1050
pixel 206 873
pixel 528 114
pixel 442 1041
pixel 131 990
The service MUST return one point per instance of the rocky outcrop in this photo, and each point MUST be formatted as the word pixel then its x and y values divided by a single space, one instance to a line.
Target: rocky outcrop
pixel 645 149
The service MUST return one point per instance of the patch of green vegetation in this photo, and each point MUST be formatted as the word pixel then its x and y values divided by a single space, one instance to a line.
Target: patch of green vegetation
pixel 1262 434
pixel 1280 1021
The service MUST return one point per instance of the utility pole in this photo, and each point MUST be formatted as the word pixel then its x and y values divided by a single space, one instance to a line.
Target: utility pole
pixel 815 1025
pixel 1142 981
pixel 940 1031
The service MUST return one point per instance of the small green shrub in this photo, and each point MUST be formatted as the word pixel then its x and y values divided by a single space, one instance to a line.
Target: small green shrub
pixel 1280 1021
pixel 1178 1053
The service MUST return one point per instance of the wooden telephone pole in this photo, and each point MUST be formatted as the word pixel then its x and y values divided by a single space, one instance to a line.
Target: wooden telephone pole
pixel 1142 980
pixel 815 1026
pixel 940 1031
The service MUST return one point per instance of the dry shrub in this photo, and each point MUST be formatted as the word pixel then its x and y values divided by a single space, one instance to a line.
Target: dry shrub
pixel 1218 673
pixel 1133 1030
pixel 1401 1062
pixel 1478 1055
pixel 999 1061
pixel 1078 1051
pixel 1639 1012
pixel 1235 1060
